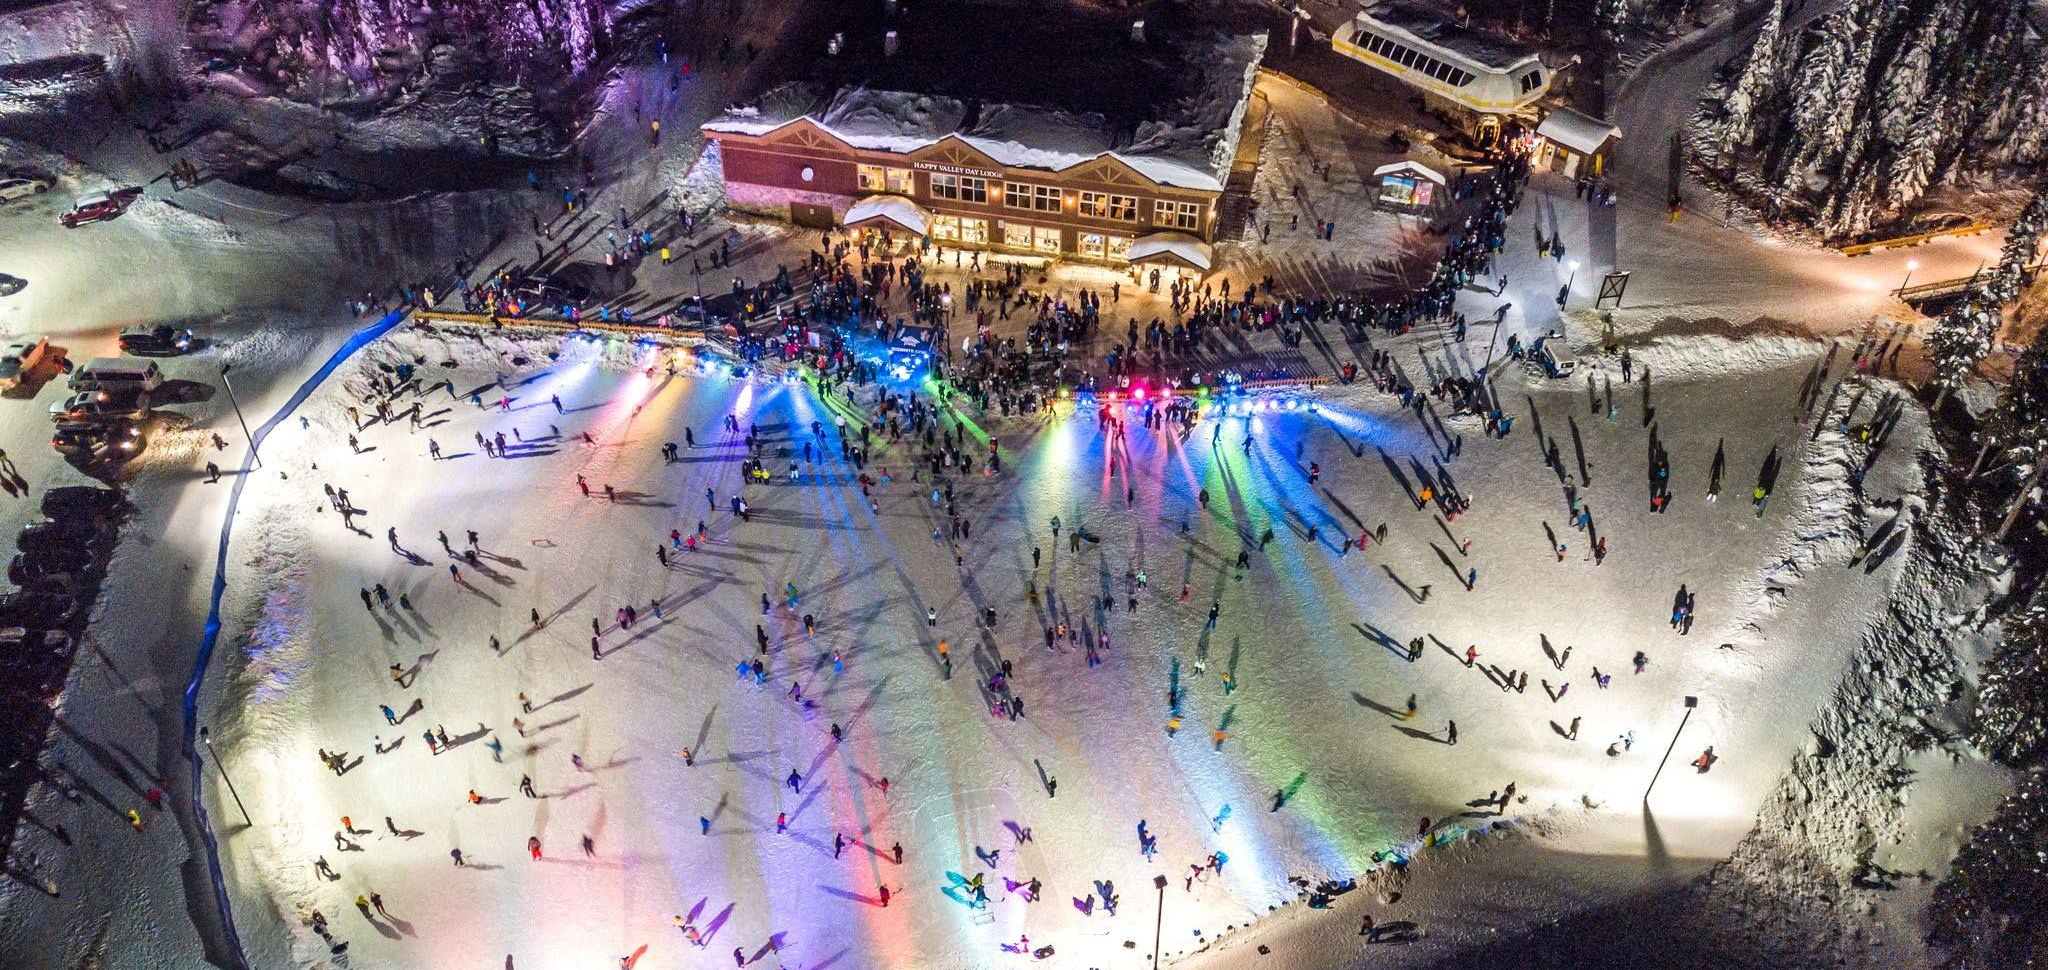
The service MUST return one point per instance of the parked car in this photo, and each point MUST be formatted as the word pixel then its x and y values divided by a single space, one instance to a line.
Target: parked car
pixel 26 608
pixel 21 187
pixel 97 207
pixel 70 532
pixel 16 641
pixel 57 559
pixel 160 339
pixel 81 501
pixel 120 441
pixel 21 356
pixel 95 406
pixel 10 285
pixel 28 572
pixel 115 373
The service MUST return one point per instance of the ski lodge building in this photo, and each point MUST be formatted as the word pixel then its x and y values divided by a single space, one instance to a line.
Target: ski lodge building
pixel 1090 139
pixel 1477 78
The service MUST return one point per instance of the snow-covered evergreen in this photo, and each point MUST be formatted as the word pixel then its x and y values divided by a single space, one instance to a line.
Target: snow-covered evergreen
pixel 1849 117
pixel 2022 244
pixel 1961 339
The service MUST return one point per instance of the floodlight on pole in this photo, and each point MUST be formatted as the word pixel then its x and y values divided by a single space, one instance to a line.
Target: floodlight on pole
pixel 206 738
pixel 253 453
pixel 1691 703
pixel 1159 924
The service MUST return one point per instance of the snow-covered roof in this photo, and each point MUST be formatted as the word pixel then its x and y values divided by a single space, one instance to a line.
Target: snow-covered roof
pixel 1409 168
pixel 890 208
pixel 1435 25
pixel 1176 245
pixel 1576 131
pixel 1188 143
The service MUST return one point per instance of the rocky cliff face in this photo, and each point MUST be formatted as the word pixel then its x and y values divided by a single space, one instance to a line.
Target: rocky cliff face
pixel 493 76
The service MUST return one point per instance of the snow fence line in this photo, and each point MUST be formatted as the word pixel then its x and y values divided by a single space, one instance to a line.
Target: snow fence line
pixel 211 636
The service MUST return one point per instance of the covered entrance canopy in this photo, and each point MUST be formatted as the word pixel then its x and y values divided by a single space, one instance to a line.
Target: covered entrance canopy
pixel 893 209
pixel 1176 247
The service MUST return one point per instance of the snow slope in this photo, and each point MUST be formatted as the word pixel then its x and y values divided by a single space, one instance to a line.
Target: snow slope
pixel 1317 704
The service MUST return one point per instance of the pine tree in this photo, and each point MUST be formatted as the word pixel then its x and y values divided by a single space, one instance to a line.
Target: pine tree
pixel 1992 908
pixel 1758 80
pixel 2017 428
pixel 2012 702
pixel 2022 243
pixel 1961 339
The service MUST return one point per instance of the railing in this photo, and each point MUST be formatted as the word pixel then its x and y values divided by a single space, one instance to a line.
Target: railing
pixel 1864 249
pixel 612 326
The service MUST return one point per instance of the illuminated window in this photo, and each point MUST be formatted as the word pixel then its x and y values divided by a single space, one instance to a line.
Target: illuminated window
pixel 1120 248
pixel 1016 235
pixel 901 180
pixel 945 227
pixel 974 231
pixel 870 178
pixel 1179 215
pixel 1045 240
pixel 1091 243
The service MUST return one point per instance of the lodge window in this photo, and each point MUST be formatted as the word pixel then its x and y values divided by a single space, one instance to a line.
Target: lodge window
pixel 1102 205
pixel 961 187
pixel 1179 215
pixel 1531 80
pixel 1019 195
pixel 945 227
pixel 875 178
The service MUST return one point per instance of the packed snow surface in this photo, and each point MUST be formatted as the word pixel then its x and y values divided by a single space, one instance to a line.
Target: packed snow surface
pixel 1314 639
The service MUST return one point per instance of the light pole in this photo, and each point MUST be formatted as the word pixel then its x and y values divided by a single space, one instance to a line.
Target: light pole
pixel 206 738
pixel 1160 923
pixel 1911 265
pixel 253 453
pixel 1691 702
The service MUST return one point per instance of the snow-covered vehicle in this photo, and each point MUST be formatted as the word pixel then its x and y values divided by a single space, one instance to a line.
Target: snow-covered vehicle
pixel 1551 354
pixel 22 187
pixel 98 207
pixel 21 356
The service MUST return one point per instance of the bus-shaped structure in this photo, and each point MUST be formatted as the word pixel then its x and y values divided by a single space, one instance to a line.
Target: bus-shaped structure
pixel 1479 78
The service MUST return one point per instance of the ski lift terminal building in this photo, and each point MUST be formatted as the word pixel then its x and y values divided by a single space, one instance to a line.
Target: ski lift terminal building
pixel 1090 137
pixel 1477 77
